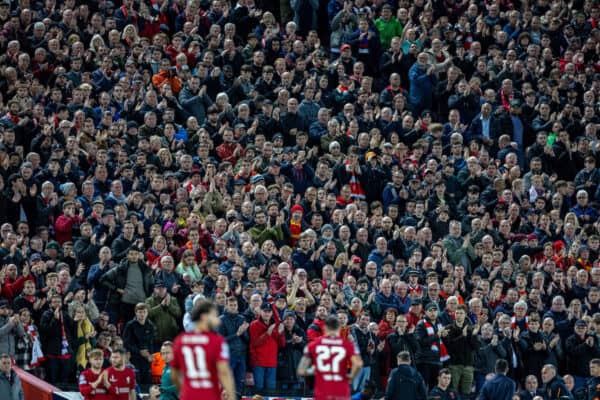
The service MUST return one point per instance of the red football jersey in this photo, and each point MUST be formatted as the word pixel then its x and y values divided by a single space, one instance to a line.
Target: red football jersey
pixel 196 355
pixel 86 378
pixel 331 355
pixel 121 382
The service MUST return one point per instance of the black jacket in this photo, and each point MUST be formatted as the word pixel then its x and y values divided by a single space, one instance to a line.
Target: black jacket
pixel 230 323
pixel 119 248
pixel 534 359
pixel 116 278
pixel 487 355
pixel 51 332
pixel 86 252
pixel 138 337
pixel 405 383
pixel 426 355
pixel 362 340
pixel 437 393
pixel 556 390
pixel 461 348
pixel 579 355
pixel 407 342
pixel 288 357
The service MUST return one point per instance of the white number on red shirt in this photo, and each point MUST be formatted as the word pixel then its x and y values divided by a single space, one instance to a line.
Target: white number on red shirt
pixel 195 362
pixel 329 358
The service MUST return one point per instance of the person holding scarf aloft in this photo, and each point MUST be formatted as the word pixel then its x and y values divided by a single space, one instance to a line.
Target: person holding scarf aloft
pixel 520 318
pixel 432 353
pixel 295 225
pixel 349 173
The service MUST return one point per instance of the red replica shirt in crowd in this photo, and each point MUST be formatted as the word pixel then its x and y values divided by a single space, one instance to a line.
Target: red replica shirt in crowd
pixel 86 378
pixel 331 356
pixel 121 383
pixel 196 355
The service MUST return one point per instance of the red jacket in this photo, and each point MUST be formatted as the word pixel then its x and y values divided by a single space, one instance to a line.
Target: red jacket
pixel 225 152
pixel 315 330
pixel 264 347
pixel 64 228
pixel 11 289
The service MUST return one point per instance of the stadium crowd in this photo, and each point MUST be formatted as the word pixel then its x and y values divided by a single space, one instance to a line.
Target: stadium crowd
pixel 427 171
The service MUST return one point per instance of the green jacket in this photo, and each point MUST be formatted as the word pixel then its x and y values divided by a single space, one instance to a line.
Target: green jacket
pixel 387 30
pixel 457 254
pixel 168 391
pixel 164 318
pixel 262 233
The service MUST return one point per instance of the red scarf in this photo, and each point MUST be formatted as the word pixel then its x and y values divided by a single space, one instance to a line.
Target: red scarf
pixel 506 101
pixel 513 322
pixel 295 231
pixel 451 314
pixel 437 346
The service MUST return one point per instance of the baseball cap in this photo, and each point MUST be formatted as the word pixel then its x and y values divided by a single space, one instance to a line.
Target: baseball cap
pixel 53 245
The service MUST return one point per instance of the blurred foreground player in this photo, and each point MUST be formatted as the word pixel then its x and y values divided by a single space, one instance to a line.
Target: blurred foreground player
pixel 119 379
pixel 328 358
pixel 92 381
pixel 201 358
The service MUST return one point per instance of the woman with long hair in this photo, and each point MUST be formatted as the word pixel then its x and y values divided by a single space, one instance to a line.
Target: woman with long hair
pixel 86 337
pixel 189 266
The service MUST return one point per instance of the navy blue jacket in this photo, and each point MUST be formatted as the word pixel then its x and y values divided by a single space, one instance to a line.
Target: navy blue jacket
pixel 500 387
pixel 230 323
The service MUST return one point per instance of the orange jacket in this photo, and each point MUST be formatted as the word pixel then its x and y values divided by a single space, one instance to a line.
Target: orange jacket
pixel 166 77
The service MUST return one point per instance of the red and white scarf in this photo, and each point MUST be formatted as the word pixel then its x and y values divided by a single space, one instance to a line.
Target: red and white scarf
pixel 37 355
pixel 355 187
pixel 513 322
pixel 437 346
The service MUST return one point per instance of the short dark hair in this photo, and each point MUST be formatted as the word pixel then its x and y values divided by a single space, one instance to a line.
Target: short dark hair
pixel 501 366
pixel 332 323
pixel 200 309
pixel 404 356
pixel 120 351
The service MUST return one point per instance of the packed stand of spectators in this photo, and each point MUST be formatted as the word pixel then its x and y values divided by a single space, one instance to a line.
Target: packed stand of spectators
pixel 425 170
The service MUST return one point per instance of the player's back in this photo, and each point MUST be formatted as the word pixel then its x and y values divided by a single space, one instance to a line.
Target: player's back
pixel 196 355
pixel 331 356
